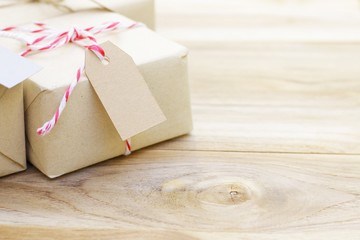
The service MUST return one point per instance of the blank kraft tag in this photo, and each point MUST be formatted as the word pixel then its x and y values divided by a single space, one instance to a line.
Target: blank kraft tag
pixel 14 69
pixel 123 92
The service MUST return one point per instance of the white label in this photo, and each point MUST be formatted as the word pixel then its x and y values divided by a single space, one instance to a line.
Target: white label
pixel 14 69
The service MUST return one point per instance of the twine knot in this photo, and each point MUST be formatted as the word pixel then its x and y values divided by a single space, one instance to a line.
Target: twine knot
pixel 48 38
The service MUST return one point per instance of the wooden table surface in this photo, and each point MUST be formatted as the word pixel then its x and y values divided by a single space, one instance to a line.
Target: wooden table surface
pixel 275 153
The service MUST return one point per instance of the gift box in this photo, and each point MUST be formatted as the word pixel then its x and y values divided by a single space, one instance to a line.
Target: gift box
pixel 85 134
pixel 12 132
pixel 138 10
pixel 13 12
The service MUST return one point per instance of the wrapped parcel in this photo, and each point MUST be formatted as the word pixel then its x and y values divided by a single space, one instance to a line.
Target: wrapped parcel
pixel 84 134
pixel 12 133
pixel 21 12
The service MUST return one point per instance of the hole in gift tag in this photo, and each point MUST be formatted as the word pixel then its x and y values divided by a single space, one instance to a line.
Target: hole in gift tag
pixel 105 61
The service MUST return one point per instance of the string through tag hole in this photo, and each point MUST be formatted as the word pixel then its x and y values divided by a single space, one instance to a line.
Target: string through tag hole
pixel 105 61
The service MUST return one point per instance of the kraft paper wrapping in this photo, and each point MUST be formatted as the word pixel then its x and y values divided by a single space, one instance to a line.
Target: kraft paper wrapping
pixel 21 13
pixel 84 134
pixel 138 10
pixel 12 132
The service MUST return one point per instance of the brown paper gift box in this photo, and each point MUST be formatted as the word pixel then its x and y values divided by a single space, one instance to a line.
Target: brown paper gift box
pixel 12 133
pixel 84 134
pixel 138 10
pixel 21 13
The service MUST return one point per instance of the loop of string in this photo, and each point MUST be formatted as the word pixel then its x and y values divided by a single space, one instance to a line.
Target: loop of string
pixel 51 38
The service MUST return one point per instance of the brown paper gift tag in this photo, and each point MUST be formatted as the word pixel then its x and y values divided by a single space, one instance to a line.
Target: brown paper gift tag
pixel 123 92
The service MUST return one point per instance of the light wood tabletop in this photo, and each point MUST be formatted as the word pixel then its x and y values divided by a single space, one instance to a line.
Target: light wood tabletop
pixel 275 151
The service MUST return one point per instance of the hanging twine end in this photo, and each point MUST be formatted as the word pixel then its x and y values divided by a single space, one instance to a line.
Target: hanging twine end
pixel 127 147
pixel 40 132
pixel 46 128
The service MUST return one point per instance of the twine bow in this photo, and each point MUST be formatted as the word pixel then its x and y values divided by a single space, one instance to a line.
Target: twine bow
pixel 51 38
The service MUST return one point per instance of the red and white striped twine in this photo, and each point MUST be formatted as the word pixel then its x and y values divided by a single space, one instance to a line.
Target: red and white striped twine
pixel 53 38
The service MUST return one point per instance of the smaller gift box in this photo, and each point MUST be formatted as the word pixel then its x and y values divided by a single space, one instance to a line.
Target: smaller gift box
pixel 12 133
pixel 21 12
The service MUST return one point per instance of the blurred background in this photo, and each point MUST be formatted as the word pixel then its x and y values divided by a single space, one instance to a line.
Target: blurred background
pixel 270 75
pixel 260 20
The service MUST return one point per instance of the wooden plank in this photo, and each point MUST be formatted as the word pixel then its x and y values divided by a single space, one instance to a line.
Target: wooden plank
pixel 192 193
pixel 273 97
pixel 267 92
pixel 37 233
pixel 259 20
pixel 272 81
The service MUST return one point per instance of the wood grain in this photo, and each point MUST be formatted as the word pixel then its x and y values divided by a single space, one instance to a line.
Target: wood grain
pixel 275 153
pixel 265 71
pixel 260 95
pixel 173 192
pixel 259 20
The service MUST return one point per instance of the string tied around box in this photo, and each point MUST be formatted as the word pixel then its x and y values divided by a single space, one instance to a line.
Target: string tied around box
pixel 48 38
